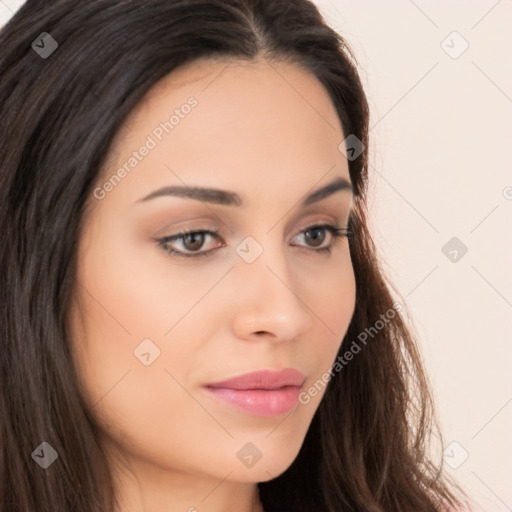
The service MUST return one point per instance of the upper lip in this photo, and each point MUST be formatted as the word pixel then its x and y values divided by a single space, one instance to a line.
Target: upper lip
pixel 262 379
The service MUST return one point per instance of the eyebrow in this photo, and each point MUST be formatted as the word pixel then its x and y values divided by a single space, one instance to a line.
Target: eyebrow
pixel 227 198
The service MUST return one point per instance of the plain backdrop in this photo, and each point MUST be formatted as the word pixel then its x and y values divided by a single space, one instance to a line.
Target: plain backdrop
pixel 438 76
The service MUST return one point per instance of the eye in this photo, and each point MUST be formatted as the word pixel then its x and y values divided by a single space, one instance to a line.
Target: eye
pixel 192 241
pixel 315 236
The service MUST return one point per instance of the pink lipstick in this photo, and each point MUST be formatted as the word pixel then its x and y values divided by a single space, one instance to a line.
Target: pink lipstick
pixel 263 393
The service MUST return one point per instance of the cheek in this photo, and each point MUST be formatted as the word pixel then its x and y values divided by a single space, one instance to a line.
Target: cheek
pixel 332 305
pixel 339 297
pixel 331 296
pixel 145 409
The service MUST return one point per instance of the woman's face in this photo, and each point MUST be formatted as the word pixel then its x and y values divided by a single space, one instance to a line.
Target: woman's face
pixel 154 327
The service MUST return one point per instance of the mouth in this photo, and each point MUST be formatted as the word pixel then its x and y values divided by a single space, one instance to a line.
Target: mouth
pixel 262 393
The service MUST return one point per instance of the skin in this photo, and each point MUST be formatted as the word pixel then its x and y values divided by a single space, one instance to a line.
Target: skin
pixel 269 132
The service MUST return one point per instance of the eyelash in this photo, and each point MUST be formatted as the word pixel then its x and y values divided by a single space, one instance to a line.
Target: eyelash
pixel 336 231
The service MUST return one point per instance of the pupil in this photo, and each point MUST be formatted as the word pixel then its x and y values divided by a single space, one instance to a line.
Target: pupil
pixel 197 240
pixel 317 240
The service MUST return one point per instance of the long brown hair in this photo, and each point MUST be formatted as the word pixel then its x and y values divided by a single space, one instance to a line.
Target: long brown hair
pixel 367 446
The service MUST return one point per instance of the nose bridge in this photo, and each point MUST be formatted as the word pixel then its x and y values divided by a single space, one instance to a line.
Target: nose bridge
pixel 267 299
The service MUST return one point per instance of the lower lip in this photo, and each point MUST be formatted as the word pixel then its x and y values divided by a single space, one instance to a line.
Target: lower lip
pixel 262 402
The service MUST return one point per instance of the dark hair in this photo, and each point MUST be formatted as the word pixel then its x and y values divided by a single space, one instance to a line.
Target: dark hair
pixel 367 446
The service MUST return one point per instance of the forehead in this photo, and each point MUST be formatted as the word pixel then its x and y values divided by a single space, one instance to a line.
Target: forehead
pixel 251 122
pixel 237 82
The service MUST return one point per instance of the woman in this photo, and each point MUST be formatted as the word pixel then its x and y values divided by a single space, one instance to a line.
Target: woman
pixel 194 316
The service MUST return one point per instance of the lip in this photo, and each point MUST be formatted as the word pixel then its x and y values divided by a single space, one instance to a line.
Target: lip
pixel 262 379
pixel 263 392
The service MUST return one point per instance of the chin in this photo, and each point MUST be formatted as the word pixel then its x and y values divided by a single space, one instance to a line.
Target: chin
pixel 274 461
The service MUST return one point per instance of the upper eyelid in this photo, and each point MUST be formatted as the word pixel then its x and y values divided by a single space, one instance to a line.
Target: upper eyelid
pixel 216 233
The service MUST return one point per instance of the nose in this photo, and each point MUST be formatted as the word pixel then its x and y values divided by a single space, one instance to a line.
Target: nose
pixel 268 301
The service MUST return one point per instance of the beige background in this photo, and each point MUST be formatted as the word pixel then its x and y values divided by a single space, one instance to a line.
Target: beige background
pixel 441 132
